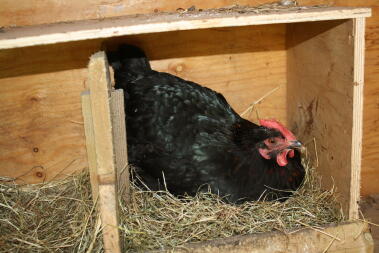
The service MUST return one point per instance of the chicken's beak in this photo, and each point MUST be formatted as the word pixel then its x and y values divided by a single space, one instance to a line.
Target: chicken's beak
pixel 295 145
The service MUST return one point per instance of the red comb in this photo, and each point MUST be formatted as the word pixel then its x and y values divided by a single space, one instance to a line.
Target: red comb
pixel 271 123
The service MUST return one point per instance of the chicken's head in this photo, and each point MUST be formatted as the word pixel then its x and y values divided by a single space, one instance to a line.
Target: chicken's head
pixel 278 146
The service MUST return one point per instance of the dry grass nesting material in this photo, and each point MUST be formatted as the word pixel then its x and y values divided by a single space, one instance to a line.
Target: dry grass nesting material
pixel 49 217
pixel 157 220
pixel 60 216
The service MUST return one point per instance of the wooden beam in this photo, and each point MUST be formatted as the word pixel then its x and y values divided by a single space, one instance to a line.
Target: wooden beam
pixel 348 238
pixel 90 143
pixel 164 22
pixel 100 90
pixel 119 141
pixel 356 152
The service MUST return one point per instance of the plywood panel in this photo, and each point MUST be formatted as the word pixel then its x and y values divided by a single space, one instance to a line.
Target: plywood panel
pixel 41 127
pixel 320 98
pixel 41 131
pixel 90 144
pixel 99 83
pixel 119 143
pixel 46 59
pixel 370 157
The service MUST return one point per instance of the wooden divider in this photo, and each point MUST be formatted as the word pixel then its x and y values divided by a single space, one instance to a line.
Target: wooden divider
pixel 103 108
pixel 119 142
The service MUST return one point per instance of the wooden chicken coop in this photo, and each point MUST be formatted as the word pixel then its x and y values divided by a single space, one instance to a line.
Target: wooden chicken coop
pixel 312 57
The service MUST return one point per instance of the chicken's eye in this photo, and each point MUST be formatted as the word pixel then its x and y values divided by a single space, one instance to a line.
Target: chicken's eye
pixel 272 141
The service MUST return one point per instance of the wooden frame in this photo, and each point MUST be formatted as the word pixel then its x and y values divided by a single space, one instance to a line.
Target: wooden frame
pixel 337 32
pixel 106 28
pixel 106 146
pixel 349 237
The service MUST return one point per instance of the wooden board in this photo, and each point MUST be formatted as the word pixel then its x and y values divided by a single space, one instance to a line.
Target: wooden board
pixel 348 238
pixel 321 96
pixel 41 129
pixel 357 131
pixel 90 144
pixel 100 92
pixel 93 29
pixel 370 158
pixel 119 141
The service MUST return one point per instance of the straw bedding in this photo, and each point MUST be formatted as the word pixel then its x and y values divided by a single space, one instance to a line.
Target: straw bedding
pixel 61 217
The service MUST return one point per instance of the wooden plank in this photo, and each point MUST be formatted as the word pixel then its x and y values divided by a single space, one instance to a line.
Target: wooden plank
pixel 41 126
pixel 119 142
pixel 93 29
pixel 356 153
pixel 100 85
pixel 348 238
pixel 90 144
pixel 41 108
pixel 321 98
pixel 370 158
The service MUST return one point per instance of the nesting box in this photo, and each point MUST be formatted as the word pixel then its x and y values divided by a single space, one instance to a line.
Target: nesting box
pixel 311 58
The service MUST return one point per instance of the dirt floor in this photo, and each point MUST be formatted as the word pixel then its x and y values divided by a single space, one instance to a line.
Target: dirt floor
pixel 370 209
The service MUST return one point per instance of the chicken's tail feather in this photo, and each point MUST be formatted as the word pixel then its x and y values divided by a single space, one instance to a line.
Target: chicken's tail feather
pixel 128 62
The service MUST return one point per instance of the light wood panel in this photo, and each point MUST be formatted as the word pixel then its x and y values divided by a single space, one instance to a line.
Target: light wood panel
pixel 321 97
pixel 100 93
pixel 358 84
pixel 90 144
pixel 119 142
pixel 41 127
pixel 370 157
pixel 128 25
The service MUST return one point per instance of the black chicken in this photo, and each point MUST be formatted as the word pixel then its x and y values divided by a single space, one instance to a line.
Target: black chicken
pixel 192 136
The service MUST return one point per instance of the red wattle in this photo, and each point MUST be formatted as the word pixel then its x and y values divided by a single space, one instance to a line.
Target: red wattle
pixel 281 158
